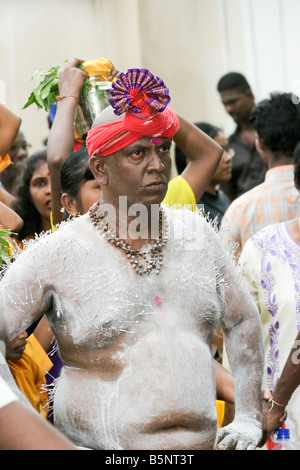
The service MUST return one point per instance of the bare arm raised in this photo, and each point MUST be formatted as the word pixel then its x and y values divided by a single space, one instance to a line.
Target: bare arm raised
pixel 204 155
pixel 9 127
pixel 61 138
pixel 9 219
pixel 6 198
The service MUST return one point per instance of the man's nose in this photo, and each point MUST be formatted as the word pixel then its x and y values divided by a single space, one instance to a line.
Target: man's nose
pixel 229 108
pixel 23 335
pixel 21 154
pixel 155 163
pixel 228 155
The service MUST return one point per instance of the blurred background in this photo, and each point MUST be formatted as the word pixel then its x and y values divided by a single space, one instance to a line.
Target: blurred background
pixel 190 44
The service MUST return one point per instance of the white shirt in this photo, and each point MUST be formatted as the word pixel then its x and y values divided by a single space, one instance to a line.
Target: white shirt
pixel 271 261
pixel 6 394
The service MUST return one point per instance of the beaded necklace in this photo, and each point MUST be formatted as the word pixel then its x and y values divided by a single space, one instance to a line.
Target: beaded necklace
pixel 143 261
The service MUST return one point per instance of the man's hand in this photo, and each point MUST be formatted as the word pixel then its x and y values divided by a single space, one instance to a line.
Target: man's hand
pixel 71 79
pixel 114 74
pixel 242 434
pixel 273 417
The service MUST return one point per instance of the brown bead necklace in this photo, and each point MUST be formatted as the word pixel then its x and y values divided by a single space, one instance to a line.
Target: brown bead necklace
pixel 143 261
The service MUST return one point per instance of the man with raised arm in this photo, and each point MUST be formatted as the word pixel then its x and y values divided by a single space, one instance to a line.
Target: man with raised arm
pixel 133 291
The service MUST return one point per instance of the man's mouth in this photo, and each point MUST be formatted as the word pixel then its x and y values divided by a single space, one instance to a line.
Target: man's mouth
pixel 157 186
pixel 157 183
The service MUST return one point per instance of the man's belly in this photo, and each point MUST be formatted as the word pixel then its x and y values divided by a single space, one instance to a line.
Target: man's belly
pixel 163 398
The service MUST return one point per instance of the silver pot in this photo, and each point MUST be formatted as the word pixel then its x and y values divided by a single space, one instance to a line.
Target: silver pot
pixel 94 98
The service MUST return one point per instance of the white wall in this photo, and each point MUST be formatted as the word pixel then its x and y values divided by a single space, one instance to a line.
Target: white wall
pixel 188 43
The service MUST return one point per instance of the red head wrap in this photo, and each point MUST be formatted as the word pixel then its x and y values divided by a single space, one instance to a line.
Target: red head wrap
pixel 144 99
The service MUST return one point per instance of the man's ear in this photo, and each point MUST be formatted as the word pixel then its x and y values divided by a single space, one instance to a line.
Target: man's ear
pixel 69 205
pixel 260 145
pixel 98 168
pixel 250 95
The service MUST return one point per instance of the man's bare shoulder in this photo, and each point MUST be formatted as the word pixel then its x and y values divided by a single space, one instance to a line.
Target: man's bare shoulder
pixel 195 218
pixel 51 242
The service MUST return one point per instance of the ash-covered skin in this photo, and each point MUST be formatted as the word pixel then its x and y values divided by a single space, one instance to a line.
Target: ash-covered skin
pixel 138 371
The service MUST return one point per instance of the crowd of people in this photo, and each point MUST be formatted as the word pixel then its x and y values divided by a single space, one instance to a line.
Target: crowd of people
pixel 139 311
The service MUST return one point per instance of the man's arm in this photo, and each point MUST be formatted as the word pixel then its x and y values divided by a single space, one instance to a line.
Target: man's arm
pixel 274 411
pixel 23 429
pixel 203 152
pixel 6 198
pixel 9 127
pixel 9 219
pixel 25 289
pixel 290 377
pixel 243 339
pixel 61 138
pixel 44 334
pixel 224 383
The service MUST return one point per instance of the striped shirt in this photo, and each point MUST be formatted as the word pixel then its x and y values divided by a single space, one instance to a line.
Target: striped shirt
pixel 275 200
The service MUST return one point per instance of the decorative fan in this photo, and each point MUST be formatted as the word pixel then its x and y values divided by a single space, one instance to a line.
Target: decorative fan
pixel 137 88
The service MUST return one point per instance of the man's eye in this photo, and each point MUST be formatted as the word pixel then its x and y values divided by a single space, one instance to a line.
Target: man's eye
pixel 164 148
pixel 137 153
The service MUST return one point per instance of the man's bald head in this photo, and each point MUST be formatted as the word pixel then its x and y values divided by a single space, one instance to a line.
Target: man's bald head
pixel 106 116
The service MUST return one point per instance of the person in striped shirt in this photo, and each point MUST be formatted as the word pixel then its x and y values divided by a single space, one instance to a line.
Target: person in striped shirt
pixel 277 124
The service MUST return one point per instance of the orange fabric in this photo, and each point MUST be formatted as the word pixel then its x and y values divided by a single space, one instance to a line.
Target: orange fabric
pixel 220 405
pixel 30 374
pixel 110 138
pixel 4 162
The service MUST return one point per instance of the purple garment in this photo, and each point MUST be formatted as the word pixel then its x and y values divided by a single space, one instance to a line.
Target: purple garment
pixel 276 245
pixel 52 377
pixel 53 374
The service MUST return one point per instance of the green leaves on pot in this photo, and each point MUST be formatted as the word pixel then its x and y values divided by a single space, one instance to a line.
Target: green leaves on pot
pixel 5 247
pixel 46 91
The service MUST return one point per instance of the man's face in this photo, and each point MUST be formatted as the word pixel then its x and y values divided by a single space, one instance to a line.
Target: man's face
pixel 224 170
pixel 238 105
pixel 19 150
pixel 18 155
pixel 140 171
pixel 15 349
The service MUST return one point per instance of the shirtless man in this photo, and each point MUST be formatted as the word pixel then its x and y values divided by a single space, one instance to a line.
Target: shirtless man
pixel 134 324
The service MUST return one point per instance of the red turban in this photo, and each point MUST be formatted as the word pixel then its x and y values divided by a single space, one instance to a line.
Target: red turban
pixel 144 99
